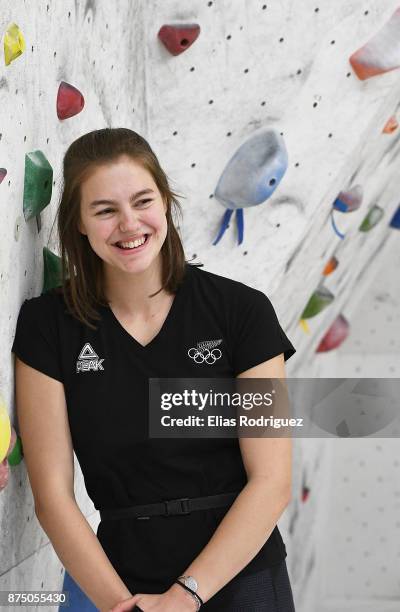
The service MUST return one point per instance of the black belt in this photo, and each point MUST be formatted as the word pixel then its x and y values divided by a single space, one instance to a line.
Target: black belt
pixel 182 505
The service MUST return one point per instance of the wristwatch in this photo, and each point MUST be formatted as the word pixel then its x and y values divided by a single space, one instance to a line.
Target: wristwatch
pixel 190 582
pixel 192 586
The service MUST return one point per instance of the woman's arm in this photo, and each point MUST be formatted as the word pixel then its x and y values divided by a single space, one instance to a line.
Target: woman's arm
pixel 252 517
pixel 44 429
pixel 81 553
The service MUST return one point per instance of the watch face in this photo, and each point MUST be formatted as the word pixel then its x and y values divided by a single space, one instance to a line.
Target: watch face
pixel 190 582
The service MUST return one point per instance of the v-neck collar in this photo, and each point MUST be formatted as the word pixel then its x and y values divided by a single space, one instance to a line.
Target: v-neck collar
pixel 168 321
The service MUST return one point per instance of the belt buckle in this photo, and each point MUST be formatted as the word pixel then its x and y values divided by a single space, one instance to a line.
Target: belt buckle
pixel 172 506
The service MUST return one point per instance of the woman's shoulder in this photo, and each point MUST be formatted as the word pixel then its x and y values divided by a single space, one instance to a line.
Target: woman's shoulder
pixel 228 286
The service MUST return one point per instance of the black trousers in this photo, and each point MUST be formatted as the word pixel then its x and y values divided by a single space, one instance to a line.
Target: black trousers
pixel 266 591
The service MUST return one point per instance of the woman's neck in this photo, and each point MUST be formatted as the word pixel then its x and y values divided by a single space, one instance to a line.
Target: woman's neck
pixel 128 293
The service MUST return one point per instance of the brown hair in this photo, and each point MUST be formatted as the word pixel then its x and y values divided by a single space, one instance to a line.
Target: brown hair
pixel 81 268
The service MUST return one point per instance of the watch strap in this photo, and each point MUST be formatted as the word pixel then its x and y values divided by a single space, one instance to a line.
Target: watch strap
pixel 197 597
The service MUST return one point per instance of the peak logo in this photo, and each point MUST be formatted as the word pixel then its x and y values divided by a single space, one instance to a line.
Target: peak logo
pixel 88 360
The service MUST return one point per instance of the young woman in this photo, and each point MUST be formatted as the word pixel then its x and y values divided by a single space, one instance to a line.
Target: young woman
pixel 185 523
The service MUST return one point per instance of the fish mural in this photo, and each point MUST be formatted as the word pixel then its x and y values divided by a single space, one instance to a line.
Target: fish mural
pixel 250 177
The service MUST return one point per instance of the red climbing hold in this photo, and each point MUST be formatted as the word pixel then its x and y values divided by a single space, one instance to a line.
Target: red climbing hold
pixel 304 494
pixel 178 38
pixel 391 125
pixel 70 101
pixel 3 173
pixel 336 334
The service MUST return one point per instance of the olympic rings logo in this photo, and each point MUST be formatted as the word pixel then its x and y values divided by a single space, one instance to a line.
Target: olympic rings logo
pixel 204 355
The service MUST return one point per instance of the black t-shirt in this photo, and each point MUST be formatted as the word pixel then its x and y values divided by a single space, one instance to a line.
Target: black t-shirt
pixel 105 374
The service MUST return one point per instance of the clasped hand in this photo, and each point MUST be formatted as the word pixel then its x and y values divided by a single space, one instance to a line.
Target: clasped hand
pixel 176 599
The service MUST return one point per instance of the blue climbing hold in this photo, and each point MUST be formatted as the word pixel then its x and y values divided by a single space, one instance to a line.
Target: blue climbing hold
pixel 395 221
pixel 250 177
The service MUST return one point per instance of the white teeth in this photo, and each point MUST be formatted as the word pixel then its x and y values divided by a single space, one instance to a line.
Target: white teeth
pixel 132 245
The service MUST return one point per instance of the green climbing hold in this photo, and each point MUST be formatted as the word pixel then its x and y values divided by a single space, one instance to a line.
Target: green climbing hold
pixel 320 299
pixel 373 217
pixel 51 270
pixel 38 183
pixel 15 457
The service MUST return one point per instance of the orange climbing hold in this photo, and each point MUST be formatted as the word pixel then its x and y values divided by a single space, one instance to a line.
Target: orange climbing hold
pixel 178 38
pixel 381 53
pixel 70 101
pixel 391 125
pixel 330 266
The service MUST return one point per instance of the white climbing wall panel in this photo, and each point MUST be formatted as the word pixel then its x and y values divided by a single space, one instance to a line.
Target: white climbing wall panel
pixel 281 65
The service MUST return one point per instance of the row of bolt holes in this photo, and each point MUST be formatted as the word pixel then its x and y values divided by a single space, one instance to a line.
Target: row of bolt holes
pixel 264 6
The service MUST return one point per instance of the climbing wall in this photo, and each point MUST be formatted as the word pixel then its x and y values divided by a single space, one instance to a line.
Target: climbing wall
pixel 278 123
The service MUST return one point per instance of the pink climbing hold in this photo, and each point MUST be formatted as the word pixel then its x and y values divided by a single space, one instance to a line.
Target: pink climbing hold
pixel 3 173
pixel 336 334
pixel 381 53
pixel 70 101
pixel 178 38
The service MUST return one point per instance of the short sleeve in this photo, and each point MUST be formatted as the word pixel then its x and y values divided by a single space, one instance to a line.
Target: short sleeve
pixel 258 335
pixel 36 338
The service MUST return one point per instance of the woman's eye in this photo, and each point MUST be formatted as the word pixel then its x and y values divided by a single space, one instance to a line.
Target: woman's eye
pixel 140 203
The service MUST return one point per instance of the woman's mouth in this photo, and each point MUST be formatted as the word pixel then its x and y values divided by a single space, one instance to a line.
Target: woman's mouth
pixel 132 249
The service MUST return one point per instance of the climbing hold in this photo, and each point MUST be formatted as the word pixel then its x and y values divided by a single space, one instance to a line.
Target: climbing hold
pixel 178 38
pixel 391 125
pixel 373 217
pixel 5 429
pixel 14 43
pixel 305 493
pixel 4 474
pixel 347 201
pixel 381 53
pixel 51 270
pixel 330 266
pixel 3 173
pixel 336 334
pixel 320 299
pixel 38 183
pixel 70 101
pixel 335 227
pixel 251 176
pixel 304 326
pixel 15 451
pixel 395 221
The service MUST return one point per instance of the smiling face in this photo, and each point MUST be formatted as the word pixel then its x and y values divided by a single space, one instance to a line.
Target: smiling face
pixel 120 202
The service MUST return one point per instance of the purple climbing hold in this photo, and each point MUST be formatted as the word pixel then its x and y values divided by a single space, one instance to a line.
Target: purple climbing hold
pixel 347 201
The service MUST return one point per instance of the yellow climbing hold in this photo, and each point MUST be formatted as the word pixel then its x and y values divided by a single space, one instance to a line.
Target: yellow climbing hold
pixel 304 325
pixel 5 429
pixel 14 43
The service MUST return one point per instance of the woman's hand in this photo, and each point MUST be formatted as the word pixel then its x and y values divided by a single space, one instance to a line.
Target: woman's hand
pixel 176 599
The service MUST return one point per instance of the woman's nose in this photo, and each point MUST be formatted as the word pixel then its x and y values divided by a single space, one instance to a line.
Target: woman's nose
pixel 129 219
